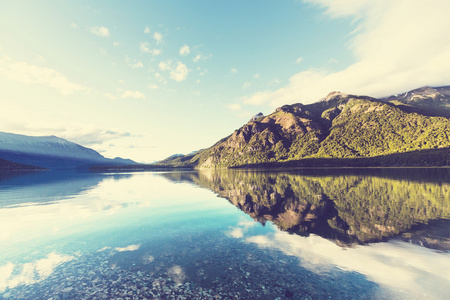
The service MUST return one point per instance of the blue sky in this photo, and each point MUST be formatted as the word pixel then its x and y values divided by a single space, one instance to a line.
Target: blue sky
pixel 147 79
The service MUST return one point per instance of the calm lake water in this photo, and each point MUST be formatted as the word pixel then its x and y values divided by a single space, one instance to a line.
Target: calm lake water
pixel 309 234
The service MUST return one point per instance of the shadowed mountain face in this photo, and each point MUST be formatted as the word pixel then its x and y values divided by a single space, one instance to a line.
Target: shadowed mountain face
pixel 352 207
pixel 339 126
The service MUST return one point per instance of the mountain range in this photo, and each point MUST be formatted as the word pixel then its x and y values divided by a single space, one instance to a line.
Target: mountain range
pixel 409 129
pixel 49 152
pixel 340 130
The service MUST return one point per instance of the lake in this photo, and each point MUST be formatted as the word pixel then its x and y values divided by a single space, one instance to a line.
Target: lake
pixel 305 234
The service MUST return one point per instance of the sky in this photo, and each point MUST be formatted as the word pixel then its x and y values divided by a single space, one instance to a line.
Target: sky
pixel 147 79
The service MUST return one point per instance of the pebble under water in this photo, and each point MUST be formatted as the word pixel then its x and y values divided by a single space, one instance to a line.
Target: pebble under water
pixel 195 267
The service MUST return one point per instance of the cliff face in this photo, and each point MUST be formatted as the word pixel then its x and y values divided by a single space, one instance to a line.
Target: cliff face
pixel 338 126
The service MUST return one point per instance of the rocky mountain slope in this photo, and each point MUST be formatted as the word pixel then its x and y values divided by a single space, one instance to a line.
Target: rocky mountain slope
pixel 426 100
pixel 50 152
pixel 340 126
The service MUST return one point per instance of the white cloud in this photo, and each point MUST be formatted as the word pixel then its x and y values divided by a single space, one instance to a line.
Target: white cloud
pixel 185 50
pixel 31 74
pixel 165 65
pixel 131 94
pixel 100 31
pixel 246 85
pixel 152 86
pixel 144 47
pixel 87 134
pixel 146 30
pixel 180 72
pixel 160 78
pixel 399 46
pixel 133 63
pixel 156 52
pixel 235 106
pixel 234 71
pixel 157 37
pixel 274 81
pixel 138 64
pixel 197 58
pixel 110 96
pixel 74 26
pixel 299 59
pixel 177 73
pixel 257 75
pixel 115 44
pixel 200 57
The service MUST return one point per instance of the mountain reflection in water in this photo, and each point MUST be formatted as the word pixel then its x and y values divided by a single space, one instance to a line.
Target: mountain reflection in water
pixel 346 206
pixel 91 235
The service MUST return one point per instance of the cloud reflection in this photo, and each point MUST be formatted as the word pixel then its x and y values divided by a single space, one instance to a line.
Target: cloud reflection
pixel 177 274
pixel 396 265
pixel 31 272
pixel 128 248
pixel 238 231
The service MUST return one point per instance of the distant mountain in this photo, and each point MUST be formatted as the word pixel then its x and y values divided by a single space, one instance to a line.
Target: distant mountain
pixel 51 152
pixel 413 128
pixel 426 100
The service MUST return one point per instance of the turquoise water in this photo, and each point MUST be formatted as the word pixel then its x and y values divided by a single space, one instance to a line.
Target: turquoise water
pixel 225 235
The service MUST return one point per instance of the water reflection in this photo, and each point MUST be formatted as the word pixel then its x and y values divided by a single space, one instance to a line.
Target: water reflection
pixel 12 275
pixel 22 188
pixel 404 269
pixel 354 206
pixel 78 235
pixel 50 219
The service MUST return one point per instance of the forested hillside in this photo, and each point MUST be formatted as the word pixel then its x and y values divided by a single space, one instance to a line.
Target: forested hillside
pixel 339 126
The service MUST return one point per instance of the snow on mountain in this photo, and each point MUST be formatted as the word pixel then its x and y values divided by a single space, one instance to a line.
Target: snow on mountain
pixel 46 145
pixel 51 152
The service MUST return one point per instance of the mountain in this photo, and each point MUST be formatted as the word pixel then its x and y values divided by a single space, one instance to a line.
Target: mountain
pixel 426 100
pixel 341 129
pixel 50 152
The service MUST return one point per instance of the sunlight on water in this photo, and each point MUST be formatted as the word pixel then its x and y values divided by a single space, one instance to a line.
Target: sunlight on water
pixel 61 230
